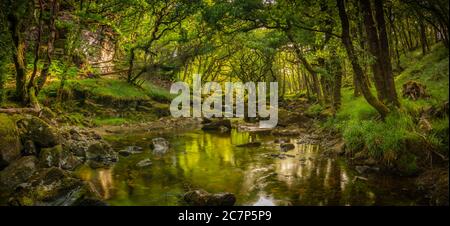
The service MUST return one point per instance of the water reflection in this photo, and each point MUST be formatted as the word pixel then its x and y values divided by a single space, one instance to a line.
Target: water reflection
pixel 257 176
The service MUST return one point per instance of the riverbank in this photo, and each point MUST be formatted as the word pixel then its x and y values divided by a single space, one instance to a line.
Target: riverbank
pixel 53 158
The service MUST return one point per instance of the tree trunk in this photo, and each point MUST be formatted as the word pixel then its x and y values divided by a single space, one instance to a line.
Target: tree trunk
pixel 51 40
pixel 32 83
pixel 357 70
pixel 423 37
pixel 385 58
pixel 15 28
pixel 374 49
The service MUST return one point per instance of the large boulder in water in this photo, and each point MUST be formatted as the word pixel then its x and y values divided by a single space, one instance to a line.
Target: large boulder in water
pixel 9 141
pixel 217 125
pixel 203 198
pixel 78 141
pixel 100 154
pixel 38 131
pixel 130 150
pixel 159 145
pixel 54 187
pixel 59 157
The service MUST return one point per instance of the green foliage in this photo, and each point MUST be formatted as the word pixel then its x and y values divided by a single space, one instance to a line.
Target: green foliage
pixel 116 89
pixel 157 93
pixel 354 107
pixel 315 110
pixel 430 70
pixel 383 140
pixel 110 121
pixel 439 135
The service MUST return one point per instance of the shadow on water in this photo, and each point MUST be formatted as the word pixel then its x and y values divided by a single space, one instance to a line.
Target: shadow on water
pixel 256 175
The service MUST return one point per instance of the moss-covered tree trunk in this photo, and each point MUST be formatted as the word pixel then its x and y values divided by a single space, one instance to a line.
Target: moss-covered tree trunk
pixel 50 45
pixel 357 70
pixel 16 29
pixel 385 57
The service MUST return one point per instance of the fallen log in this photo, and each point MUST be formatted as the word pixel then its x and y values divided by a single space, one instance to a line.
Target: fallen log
pixel 19 110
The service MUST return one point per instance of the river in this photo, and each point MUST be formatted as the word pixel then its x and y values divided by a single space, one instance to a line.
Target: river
pixel 256 175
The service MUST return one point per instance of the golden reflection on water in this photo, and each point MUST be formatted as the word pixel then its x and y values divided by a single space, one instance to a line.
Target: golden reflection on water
pixel 211 161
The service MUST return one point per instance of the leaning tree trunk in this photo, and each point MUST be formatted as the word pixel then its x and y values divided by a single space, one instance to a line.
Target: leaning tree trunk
pixel 357 70
pixel 32 83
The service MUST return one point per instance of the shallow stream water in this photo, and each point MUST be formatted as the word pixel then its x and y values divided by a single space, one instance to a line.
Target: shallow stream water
pixel 256 175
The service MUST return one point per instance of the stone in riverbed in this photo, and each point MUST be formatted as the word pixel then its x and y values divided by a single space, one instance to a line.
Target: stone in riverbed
pixel 49 157
pixel 54 187
pixel 144 163
pixel 159 145
pixel 100 154
pixel 287 146
pixel 38 131
pixel 250 144
pixel 281 140
pixel 216 125
pixel 29 148
pixel 58 157
pixel 366 169
pixel 203 198
pixel 130 150
pixel 18 172
pixel 285 132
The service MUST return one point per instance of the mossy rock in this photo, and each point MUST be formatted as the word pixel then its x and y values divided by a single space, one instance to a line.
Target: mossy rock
pixel 38 131
pixel 17 172
pixel 54 187
pixel 9 140
pixel 100 154
pixel 49 157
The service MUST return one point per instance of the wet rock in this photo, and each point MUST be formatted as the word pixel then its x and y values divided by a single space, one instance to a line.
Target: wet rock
pixel 29 148
pixel 203 198
pixel 338 147
pixel 216 125
pixel 159 145
pixel 281 156
pixel 100 154
pixel 223 129
pixel 54 187
pixel 38 131
pixel 285 132
pixel 250 144
pixel 308 139
pixel 144 163
pixel 366 169
pixel 281 140
pixel 49 157
pixel 9 140
pixel 78 141
pixel 287 146
pixel 69 161
pixel 206 120
pixel 130 150
pixel 286 118
pixel 18 172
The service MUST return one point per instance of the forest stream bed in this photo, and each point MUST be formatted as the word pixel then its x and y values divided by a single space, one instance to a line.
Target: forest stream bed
pixel 262 175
